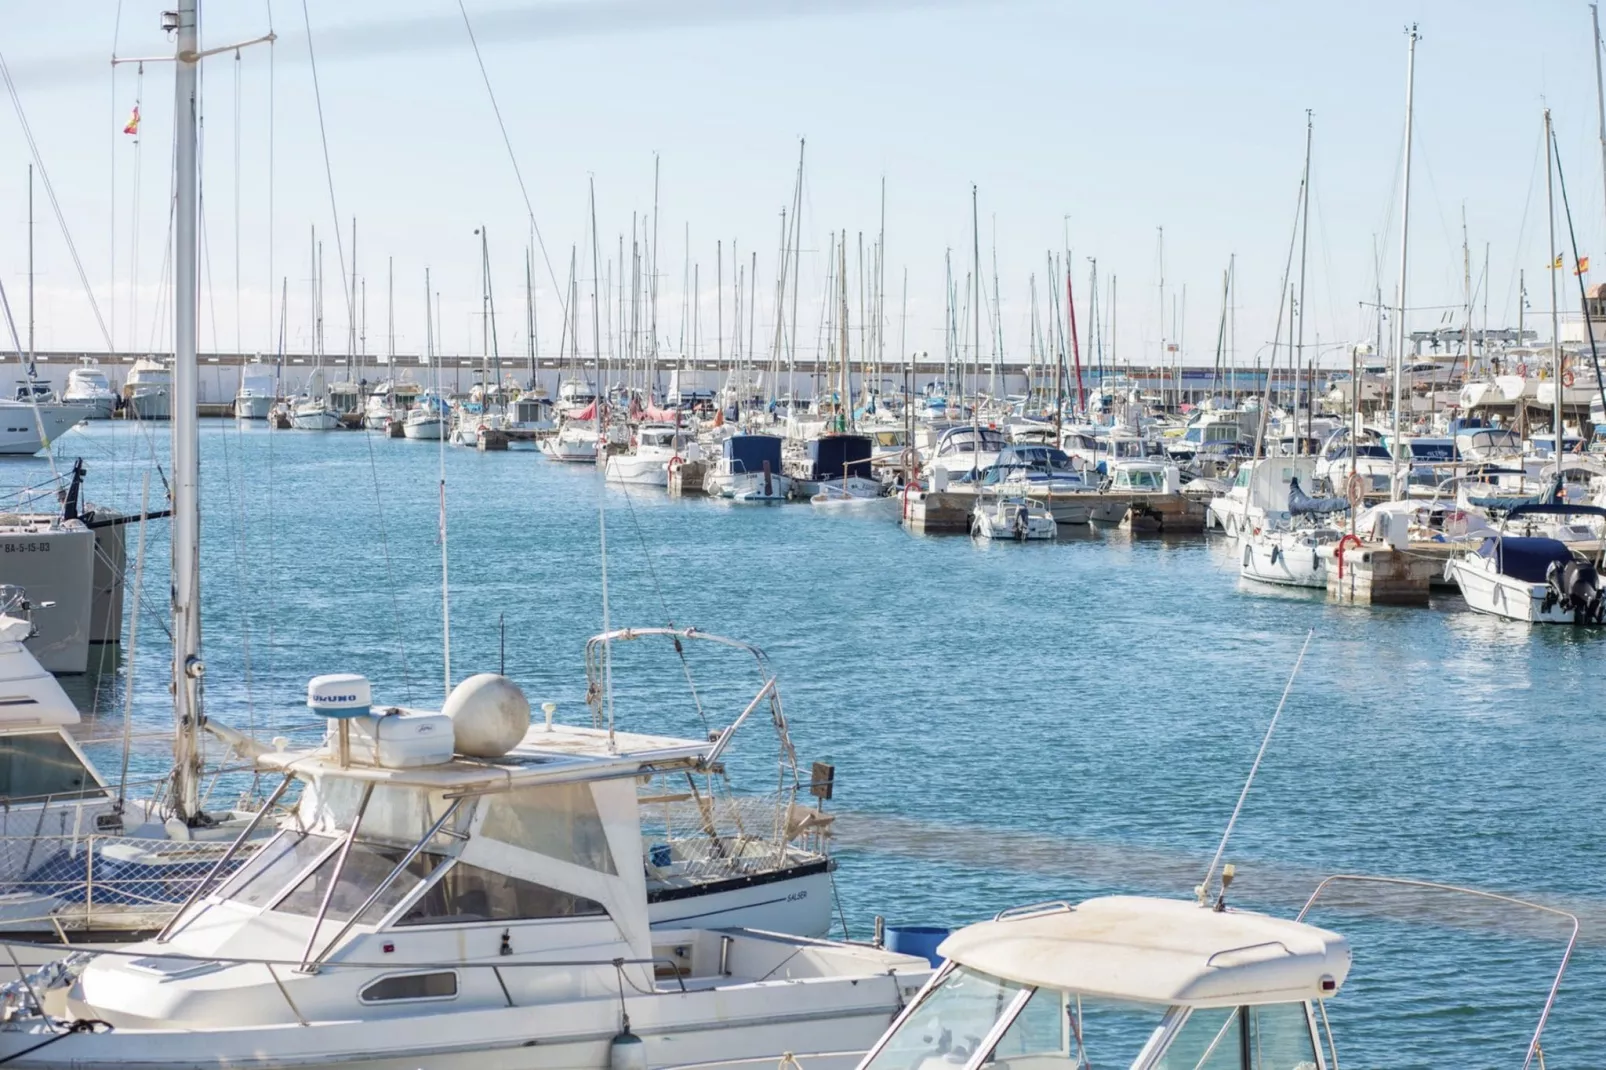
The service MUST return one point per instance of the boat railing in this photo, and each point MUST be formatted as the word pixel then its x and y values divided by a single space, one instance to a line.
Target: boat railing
pixel 1495 899
pixel 73 881
pixel 703 837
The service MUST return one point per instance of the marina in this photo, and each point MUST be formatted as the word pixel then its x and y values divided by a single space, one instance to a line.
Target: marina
pixel 712 678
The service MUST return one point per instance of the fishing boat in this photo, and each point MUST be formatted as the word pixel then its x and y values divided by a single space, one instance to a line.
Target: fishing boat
pixel 1535 579
pixel 749 470
pixel 1010 518
pixel 646 464
pixel 88 388
pixel 1130 487
pixel 428 418
pixel 454 887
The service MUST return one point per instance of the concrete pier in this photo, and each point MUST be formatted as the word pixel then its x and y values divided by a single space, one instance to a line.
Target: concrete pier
pixel 1376 574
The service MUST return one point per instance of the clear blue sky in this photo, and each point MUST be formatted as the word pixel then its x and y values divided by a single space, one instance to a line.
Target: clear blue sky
pixel 1120 117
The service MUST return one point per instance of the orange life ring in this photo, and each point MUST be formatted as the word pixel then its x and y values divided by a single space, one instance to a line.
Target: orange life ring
pixel 1567 377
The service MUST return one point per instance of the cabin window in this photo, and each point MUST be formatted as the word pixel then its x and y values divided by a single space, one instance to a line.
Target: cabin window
pixel 1280 1038
pixel 1211 1039
pixel 412 987
pixel 557 820
pixel 468 893
pixel 949 1024
pixel 42 766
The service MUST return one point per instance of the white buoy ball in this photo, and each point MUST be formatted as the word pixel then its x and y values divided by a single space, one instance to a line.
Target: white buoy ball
pixel 489 715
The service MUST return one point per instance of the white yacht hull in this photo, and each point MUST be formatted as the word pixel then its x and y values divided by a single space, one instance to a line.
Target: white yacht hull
pixel 570 451
pixel 1284 562
pixel 637 471
pixel 754 488
pixel 425 430
pixel 252 406
pixel 1487 591
pixel 98 406
pixel 150 403
pixel 20 428
pixel 838 1019
pixel 986 524
pixel 314 420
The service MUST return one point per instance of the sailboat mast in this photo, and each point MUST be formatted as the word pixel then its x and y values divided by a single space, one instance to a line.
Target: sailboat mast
pixel 1555 266
pixel 1396 488
pixel 1299 337
pixel 30 271
pixel 1600 96
pixel 188 668
pixel 975 307
pixel 596 322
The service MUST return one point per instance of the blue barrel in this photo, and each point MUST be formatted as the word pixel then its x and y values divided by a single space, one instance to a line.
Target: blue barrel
pixel 919 940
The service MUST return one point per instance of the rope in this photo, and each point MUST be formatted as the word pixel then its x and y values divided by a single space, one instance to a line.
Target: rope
pixel 340 249
pixel 80 1025
pixel 55 205
pixel 513 159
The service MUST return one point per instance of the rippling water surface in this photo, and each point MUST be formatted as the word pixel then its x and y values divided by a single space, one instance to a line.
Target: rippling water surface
pixel 1008 723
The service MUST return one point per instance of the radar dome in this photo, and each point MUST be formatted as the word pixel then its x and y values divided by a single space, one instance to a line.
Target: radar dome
pixel 489 715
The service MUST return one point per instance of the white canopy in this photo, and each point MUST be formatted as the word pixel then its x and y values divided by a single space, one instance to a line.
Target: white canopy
pixel 1158 950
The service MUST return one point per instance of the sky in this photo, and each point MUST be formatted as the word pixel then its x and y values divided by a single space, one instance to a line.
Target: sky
pixel 1079 124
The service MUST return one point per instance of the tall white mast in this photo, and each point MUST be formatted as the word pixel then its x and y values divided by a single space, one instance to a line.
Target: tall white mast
pixel 1396 489
pixel 1600 94
pixel 1555 268
pixel 186 586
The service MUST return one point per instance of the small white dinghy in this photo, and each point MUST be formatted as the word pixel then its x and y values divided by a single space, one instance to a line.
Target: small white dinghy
pixel 1020 519
pixel 854 495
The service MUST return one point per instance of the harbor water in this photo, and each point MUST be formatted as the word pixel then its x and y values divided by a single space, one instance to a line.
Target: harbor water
pixel 1008 723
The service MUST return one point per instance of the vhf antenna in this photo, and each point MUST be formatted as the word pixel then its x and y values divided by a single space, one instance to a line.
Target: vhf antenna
pixel 1203 890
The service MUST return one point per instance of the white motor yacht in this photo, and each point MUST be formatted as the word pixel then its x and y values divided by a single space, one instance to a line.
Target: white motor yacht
pixel 259 390
pixel 147 392
pixel 27 427
pixel 647 462
pixel 428 418
pixel 1535 579
pixel 575 442
pixel 1128 489
pixel 1012 518
pixel 462 888
pixel 88 388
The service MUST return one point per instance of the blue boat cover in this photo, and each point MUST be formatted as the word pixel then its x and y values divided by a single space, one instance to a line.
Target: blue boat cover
pixel 1525 559
pixel 839 456
pixel 1302 504
pixel 749 452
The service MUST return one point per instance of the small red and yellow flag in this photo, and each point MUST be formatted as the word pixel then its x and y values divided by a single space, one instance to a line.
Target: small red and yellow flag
pixel 1583 265
pixel 133 122
pixel 1557 265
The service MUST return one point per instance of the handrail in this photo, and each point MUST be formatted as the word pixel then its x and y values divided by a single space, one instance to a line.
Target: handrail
pixel 383 886
pixel 1247 947
pixel 206 882
pixel 334 878
pixel 1047 906
pixel 725 737
pixel 1407 882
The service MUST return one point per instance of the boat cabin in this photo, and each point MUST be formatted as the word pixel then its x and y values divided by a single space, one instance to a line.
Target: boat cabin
pixel 1124 981
pixel 1146 477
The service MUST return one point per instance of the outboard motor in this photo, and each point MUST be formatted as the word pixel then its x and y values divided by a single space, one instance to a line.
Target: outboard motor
pixel 1576 586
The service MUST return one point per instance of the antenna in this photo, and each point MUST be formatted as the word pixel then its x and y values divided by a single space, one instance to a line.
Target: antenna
pixel 1203 891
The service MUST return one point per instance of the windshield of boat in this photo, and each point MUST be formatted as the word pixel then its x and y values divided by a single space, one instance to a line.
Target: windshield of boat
pixel 1045 1027
pixel 41 766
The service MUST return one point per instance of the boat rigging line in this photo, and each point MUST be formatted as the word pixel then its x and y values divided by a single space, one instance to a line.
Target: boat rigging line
pixel 1203 891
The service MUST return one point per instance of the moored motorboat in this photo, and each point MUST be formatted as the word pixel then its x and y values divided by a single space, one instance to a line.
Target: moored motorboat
pixel 1535 579
pixel 1012 518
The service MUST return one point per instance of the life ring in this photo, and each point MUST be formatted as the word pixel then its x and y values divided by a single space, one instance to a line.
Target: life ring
pixel 1354 490
pixel 1567 377
pixel 1338 554
pixel 1522 370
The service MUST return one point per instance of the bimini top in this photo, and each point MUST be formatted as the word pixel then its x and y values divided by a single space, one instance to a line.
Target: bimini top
pixel 1159 951
pixel 562 752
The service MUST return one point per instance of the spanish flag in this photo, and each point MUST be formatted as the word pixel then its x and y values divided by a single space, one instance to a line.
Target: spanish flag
pixel 1583 265
pixel 1557 265
pixel 133 122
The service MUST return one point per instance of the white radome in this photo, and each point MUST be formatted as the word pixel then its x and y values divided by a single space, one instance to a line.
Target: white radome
pixel 489 713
